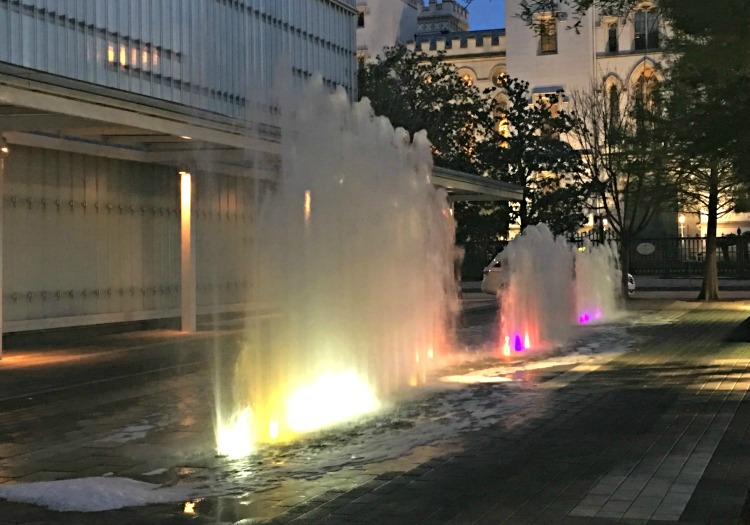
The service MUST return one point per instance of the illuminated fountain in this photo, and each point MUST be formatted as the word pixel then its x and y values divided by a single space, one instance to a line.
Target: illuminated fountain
pixel 353 250
pixel 597 283
pixel 549 286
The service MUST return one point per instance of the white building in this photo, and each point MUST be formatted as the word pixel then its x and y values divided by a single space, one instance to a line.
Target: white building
pixel 605 51
pixel 102 103
pixel 385 23
pixel 479 56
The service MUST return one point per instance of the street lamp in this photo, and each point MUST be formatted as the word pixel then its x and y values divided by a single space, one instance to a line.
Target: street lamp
pixel 681 220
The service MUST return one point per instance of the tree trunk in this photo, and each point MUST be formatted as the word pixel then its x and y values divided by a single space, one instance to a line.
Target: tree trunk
pixel 710 288
pixel 624 263
pixel 523 213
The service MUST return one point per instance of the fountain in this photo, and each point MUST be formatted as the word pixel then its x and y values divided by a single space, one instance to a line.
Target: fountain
pixel 548 286
pixel 353 252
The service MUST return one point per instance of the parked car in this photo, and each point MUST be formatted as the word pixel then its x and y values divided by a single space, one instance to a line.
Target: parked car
pixel 491 277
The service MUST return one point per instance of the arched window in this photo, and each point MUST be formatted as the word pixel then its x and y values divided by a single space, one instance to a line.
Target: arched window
pixel 613 103
pixel 613 46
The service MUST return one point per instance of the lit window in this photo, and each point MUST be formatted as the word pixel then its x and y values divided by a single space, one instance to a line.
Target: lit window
pixel 123 56
pixel 548 37
pixel 144 59
pixel 111 54
pixel 467 79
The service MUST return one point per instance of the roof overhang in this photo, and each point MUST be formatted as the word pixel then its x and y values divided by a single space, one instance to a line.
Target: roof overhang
pixel 52 112
pixel 48 111
pixel 465 187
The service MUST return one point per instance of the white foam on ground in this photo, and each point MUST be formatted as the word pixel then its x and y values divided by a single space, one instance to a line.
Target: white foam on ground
pixel 93 494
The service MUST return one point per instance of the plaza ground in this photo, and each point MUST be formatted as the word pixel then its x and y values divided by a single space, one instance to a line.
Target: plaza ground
pixel 656 434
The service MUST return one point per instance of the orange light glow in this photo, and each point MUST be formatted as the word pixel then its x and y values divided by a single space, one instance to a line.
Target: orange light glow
pixel 506 346
pixel 189 507
pixel 308 205
pixel 417 357
pixel 430 353
pixel 185 190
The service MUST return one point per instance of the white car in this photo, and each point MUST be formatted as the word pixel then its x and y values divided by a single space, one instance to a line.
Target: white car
pixel 491 277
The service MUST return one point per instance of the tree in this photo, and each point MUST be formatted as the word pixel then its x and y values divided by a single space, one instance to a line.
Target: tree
pixel 702 151
pixel 624 156
pixel 418 92
pixel 534 155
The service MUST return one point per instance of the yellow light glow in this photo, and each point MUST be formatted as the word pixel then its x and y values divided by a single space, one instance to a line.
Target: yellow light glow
pixel 526 342
pixel 506 346
pixel 475 379
pixel 123 56
pixel 185 189
pixel 430 353
pixel 416 356
pixel 234 437
pixel 308 205
pixel 332 398
pixel 413 381
pixel 111 54
pixel 681 219
pixel 189 507
pixel 273 430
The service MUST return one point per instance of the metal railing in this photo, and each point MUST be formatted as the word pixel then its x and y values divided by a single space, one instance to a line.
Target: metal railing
pixel 667 257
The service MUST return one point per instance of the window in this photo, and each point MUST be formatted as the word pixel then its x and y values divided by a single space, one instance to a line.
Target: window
pixel 548 37
pixel 361 19
pixel 613 100
pixel 612 43
pixel 646 30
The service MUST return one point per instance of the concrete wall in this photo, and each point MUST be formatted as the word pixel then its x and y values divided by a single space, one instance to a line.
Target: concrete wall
pixel 90 240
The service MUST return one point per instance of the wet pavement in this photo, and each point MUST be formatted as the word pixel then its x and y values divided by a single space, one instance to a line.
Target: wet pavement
pixel 655 434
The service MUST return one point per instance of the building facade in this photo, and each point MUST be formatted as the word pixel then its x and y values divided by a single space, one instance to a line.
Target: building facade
pixel 385 23
pixel 136 146
pixel 605 52
pixel 479 56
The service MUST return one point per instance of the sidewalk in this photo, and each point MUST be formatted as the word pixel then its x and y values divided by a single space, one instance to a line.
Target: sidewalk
pixel 659 434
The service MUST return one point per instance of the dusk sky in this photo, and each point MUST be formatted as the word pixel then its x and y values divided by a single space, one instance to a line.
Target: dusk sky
pixel 486 14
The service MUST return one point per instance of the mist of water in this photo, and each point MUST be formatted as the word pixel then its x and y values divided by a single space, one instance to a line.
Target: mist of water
pixel 353 254
pixel 548 286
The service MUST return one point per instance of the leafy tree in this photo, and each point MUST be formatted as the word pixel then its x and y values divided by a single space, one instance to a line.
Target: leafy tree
pixel 624 156
pixel 534 155
pixel 418 92
pixel 702 151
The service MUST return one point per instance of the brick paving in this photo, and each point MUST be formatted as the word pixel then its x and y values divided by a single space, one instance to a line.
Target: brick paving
pixel 659 434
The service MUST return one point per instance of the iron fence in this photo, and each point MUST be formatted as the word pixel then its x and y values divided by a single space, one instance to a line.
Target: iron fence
pixel 667 257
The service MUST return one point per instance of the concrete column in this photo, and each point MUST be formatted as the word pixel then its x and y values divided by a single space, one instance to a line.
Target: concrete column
pixel 4 152
pixel 187 255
